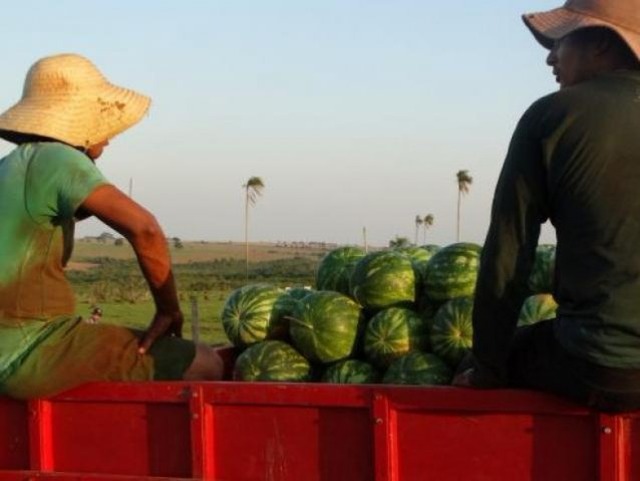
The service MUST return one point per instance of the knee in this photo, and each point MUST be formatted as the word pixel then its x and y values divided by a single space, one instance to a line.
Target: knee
pixel 207 365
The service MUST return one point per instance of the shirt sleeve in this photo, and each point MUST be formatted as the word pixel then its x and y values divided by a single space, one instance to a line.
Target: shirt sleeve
pixel 60 178
pixel 519 208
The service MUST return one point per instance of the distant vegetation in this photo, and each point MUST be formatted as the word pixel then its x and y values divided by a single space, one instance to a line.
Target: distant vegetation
pixel 107 275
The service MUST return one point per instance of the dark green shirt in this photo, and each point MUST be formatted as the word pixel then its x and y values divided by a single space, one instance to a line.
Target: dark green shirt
pixel 574 159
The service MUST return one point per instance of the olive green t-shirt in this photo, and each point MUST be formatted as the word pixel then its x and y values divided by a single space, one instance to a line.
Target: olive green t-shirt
pixel 574 159
pixel 41 187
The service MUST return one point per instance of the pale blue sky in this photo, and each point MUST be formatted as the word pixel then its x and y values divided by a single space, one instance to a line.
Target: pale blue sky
pixel 354 112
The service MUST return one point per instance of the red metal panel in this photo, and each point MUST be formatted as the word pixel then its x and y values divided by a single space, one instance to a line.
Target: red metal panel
pixel 313 432
pixel 478 446
pixel 122 438
pixel 291 443
pixel 14 435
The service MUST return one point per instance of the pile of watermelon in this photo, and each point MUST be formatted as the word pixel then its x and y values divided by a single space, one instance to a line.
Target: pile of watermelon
pixel 396 316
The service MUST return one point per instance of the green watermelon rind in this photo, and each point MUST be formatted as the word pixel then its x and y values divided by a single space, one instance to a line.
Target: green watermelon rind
pixel 384 279
pixel 271 361
pixel 351 371
pixel 536 308
pixel 452 271
pixel 336 267
pixel 326 326
pixel 418 368
pixel 452 330
pixel 542 271
pixel 393 332
pixel 248 315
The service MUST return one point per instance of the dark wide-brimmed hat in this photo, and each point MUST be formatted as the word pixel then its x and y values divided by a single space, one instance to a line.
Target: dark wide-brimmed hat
pixel 621 16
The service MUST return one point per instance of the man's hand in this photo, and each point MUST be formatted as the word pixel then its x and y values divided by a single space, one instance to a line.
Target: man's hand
pixel 471 374
pixel 161 325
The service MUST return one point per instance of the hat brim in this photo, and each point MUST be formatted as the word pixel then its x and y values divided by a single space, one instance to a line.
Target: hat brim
pixel 80 120
pixel 552 25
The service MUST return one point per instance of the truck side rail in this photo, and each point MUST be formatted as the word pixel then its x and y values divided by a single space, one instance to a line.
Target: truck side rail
pixel 312 432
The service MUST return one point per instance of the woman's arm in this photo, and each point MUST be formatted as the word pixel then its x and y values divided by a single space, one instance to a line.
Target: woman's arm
pixel 145 235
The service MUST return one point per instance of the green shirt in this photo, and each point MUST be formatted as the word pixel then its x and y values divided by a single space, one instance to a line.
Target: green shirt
pixel 574 159
pixel 41 187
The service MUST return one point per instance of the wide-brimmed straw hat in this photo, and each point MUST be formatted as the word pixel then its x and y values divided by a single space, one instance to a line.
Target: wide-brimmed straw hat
pixel 621 16
pixel 66 98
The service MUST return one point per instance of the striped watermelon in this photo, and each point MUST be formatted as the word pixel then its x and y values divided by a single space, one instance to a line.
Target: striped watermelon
pixel 542 272
pixel 537 308
pixel 326 326
pixel 271 361
pixel 384 279
pixel 392 333
pixel 336 267
pixel 248 315
pixel 415 253
pixel 452 330
pixel 418 368
pixel 452 271
pixel 351 371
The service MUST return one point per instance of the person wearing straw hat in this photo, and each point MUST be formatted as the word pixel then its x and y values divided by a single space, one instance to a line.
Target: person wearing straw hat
pixel 66 116
pixel 574 159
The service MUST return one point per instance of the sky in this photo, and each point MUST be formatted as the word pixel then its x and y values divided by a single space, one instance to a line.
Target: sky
pixel 356 114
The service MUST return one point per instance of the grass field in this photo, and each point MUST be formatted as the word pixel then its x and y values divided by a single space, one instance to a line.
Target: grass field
pixel 137 312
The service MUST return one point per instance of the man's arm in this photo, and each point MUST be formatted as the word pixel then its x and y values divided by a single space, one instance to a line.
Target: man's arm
pixel 143 232
pixel 520 206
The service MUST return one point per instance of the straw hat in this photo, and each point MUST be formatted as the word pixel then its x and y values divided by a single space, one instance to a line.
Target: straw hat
pixel 65 97
pixel 621 16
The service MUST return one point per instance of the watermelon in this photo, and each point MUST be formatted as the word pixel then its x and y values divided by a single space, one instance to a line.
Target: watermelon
pixel 418 368
pixel 392 333
pixel 271 361
pixel 351 371
pixel 537 308
pixel 542 272
pixel 326 326
pixel 298 292
pixel 452 271
pixel 420 258
pixel 452 330
pixel 432 248
pixel 415 253
pixel 336 267
pixel 384 279
pixel 248 315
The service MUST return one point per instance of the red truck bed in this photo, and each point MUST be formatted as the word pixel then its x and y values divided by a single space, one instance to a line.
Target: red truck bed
pixel 312 432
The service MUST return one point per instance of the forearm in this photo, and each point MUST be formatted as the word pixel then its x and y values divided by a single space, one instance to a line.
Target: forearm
pixel 150 247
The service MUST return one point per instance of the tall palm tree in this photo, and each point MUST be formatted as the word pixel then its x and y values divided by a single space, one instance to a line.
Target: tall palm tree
pixel 418 222
pixel 252 190
pixel 426 223
pixel 464 181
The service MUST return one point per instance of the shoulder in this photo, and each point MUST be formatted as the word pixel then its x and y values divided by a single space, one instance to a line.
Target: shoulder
pixel 58 151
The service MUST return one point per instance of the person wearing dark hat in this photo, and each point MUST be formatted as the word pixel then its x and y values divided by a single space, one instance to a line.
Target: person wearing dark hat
pixel 574 159
pixel 67 115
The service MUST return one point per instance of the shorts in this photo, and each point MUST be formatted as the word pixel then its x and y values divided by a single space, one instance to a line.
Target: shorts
pixel 75 352
pixel 538 361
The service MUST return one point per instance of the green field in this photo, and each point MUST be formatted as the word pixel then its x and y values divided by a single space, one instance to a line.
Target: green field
pixel 107 275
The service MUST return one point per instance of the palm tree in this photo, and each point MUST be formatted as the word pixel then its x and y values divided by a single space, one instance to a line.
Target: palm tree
pixel 426 223
pixel 253 190
pixel 464 181
pixel 399 242
pixel 418 224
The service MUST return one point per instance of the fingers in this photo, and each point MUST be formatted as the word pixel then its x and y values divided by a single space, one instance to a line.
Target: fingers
pixel 160 326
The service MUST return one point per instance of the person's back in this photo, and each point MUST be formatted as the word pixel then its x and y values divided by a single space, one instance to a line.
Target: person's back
pixel 37 204
pixel 592 154
pixel 574 159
